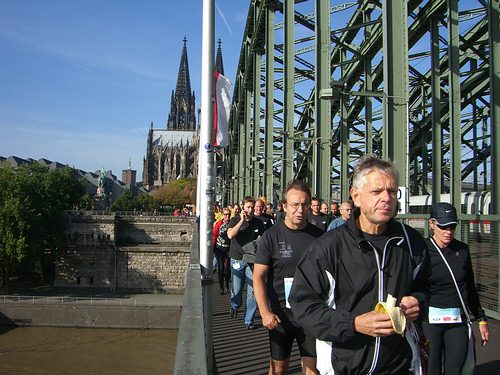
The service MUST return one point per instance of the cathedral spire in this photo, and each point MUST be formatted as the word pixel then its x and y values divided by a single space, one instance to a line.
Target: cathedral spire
pixel 219 66
pixel 182 111
pixel 183 86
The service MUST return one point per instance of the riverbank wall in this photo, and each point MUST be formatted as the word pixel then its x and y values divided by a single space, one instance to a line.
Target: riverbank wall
pixel 125 253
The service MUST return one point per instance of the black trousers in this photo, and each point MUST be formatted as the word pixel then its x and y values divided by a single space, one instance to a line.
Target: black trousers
pixel 223 266
pixel 450 341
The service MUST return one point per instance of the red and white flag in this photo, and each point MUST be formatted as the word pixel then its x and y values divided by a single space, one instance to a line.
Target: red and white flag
pixel 222 108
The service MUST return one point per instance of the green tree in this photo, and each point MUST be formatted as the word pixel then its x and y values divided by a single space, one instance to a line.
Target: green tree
pixel 13 222
pixel 32 203
pixel 130 202
pixel 145 202
pixel 86 202
pixel 125 202
pixel 175 193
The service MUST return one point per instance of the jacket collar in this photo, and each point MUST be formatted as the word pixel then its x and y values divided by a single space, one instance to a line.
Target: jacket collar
pixel 393 227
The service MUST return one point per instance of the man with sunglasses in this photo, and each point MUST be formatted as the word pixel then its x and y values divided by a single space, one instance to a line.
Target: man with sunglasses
pixel 278 253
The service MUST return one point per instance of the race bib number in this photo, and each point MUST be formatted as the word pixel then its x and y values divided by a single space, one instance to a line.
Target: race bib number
pixel 287 283
pixel 444 316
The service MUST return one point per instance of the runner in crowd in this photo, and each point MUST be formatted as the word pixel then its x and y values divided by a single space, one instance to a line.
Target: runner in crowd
pixel 278 253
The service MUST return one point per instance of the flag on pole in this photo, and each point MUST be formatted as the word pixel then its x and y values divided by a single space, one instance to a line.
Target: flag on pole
pixel 222 106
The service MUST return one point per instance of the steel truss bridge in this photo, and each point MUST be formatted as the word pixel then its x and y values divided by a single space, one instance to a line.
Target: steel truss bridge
pixel 321 83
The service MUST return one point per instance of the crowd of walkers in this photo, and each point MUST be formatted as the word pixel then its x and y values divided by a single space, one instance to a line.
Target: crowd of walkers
pixel 356 289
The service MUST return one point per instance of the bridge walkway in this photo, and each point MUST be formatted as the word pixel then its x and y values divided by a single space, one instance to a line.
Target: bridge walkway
pixel 236 349
pixel 240 351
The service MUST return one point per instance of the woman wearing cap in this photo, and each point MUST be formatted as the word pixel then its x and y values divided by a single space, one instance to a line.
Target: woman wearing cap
pixel 445 325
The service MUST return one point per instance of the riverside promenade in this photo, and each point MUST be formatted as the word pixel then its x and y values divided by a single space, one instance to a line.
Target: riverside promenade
pixel 90 308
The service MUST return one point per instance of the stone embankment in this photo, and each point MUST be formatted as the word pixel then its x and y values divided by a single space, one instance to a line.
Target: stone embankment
pixel 133 311
pixel 107 258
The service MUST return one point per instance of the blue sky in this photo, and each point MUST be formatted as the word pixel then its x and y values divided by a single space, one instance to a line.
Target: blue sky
pixel 82 80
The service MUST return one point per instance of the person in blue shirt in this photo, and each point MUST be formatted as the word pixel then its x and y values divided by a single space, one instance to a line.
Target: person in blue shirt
pixel 345 212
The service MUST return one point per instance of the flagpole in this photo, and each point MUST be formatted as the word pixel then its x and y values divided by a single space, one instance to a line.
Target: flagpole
pixel 206 154
pixel 206 170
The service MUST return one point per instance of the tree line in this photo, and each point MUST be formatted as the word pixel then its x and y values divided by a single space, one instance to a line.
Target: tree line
pixel 33 201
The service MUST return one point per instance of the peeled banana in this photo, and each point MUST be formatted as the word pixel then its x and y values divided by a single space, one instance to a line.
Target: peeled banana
pixel 397 317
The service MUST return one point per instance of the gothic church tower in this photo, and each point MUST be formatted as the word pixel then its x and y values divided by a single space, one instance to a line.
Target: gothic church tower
pixel 182 105
pixel 172 153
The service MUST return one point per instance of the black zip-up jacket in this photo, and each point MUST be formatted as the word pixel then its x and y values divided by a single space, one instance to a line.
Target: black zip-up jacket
pixel 342 275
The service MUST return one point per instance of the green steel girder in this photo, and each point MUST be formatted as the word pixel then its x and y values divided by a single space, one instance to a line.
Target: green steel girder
pixel 414 34
pixel 362 72
pixel 475 85
pixel 371 47
pixel 494 63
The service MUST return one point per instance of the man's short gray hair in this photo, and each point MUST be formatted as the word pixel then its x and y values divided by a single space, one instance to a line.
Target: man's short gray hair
pixel 368 164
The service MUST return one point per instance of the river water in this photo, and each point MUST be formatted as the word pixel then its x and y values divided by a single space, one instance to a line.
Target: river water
pixel 79 351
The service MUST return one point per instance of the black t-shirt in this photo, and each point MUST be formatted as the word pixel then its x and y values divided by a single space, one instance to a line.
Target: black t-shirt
pixel 266 219
pixel 378 241
pixel 249 231
pixel 223 242
pixel 320 220
pixel 281 248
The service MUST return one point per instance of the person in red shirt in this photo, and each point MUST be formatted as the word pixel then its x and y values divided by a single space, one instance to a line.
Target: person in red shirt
pixel 221 244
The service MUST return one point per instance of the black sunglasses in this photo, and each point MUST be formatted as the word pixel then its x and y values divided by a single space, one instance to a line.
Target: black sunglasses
pixel 444 227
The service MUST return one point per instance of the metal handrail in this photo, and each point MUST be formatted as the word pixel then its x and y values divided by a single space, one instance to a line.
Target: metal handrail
pixel 110 301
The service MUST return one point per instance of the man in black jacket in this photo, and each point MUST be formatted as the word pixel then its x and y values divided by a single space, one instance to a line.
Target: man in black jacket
pixel 346 272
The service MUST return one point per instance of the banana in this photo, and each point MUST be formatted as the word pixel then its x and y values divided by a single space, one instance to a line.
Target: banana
pixel 397 317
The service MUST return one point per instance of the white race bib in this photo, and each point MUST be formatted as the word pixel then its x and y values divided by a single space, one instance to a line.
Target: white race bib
pixel 287 283
pixel 444 316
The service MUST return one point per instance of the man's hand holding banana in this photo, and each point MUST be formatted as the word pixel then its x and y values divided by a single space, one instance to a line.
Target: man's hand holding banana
pixel 381 323
pixel 395 313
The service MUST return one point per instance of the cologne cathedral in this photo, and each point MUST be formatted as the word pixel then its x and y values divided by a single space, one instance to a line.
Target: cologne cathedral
pixel 172 153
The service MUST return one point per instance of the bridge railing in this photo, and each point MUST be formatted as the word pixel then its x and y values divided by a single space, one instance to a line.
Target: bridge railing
pixel 98 301
pixel 191 356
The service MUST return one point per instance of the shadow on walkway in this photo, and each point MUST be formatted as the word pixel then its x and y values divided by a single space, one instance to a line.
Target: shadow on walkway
pixel 238 350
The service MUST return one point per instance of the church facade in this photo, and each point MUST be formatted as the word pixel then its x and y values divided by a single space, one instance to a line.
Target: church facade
pixel 172 153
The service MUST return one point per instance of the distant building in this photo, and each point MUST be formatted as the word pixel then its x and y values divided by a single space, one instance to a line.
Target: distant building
pixel 112 187
pixel 172 153
pixel 129 177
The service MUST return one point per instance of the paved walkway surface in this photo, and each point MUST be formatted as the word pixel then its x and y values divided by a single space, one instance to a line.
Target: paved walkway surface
pixel 488 357
pixel 236 349
pixel 240 351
